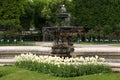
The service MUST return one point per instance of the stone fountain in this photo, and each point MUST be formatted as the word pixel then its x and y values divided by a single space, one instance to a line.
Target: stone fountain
pixel 62 35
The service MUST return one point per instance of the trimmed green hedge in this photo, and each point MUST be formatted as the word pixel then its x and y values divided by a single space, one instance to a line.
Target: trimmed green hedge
pixel 64 70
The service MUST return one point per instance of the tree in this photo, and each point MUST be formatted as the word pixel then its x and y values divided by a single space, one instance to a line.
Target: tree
pixel 10 12
pixel 26 19
pixel 45 13
pixel 92 13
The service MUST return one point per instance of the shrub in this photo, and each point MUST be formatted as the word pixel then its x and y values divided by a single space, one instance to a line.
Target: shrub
pixel 68 67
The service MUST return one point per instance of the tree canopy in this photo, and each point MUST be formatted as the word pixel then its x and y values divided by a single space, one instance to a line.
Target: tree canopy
pixel 99 18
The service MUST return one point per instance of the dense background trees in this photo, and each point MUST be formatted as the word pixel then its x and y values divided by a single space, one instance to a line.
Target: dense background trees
pixel 10 12
pixel 99 18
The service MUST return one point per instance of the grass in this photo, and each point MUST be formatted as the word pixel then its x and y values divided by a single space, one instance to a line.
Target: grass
pixel 13 73
pixel 97 42
pixel 116 44
pixel 17 44
pixel 111 43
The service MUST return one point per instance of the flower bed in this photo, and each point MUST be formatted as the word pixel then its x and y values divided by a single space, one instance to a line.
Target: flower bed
pixel 64 67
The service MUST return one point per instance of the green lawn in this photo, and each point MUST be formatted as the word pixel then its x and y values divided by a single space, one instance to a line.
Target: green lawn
pixel 18 44
pixel 13 73
pixel 97 43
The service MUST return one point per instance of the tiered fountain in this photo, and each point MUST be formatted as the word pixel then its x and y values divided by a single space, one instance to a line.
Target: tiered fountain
pixel 62 35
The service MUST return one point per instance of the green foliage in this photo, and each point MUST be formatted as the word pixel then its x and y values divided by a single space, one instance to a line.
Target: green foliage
pixel 10 11
pixel 26 19
pixel 11 43
pixel 45 12
pixel 96 13
pixel 6 71
pixel 39 21
pixel 99 18
pixel 64 70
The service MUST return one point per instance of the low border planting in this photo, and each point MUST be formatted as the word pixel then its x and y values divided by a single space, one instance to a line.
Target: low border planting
pixel 63 67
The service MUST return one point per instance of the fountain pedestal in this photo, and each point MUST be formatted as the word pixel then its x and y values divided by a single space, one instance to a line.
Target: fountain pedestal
pixel 62 45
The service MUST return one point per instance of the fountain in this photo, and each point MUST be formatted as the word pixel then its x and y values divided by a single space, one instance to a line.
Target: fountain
pixel 62 35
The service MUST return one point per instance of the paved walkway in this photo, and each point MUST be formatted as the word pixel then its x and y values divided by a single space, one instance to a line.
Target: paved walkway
pixel 87 47
pixel 78 48
pixel 24 48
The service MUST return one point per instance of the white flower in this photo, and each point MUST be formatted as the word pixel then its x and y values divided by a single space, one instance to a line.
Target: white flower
pixel 96 57
pixel 58 61
pixel 102 59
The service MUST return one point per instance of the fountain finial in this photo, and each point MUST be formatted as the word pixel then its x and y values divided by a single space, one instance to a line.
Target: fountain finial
pixel 63 9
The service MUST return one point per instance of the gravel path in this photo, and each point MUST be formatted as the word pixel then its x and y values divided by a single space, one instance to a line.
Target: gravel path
pixel 78 49
pixel 24 48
